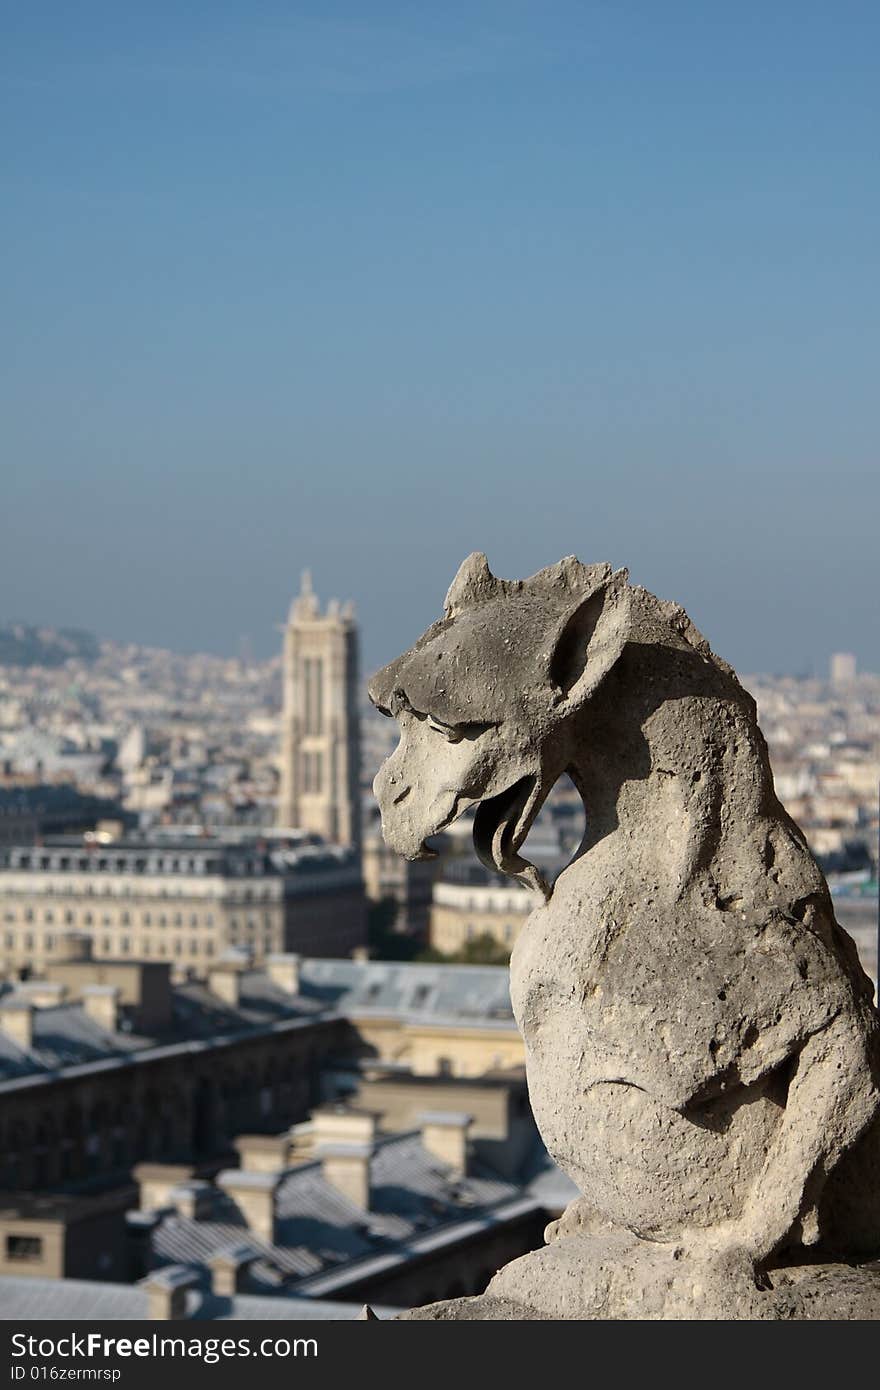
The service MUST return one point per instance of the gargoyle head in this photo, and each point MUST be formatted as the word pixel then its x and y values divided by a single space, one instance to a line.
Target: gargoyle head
pixel 487 702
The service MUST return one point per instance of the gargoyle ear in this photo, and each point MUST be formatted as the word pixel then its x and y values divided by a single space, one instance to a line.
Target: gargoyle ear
pixel 590 640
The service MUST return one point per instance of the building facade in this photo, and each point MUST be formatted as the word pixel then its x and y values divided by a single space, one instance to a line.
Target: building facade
pixel 182 898
pixel 88 1088
pixel 320 739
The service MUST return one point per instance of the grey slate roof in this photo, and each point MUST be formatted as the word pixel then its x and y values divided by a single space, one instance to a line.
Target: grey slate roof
pixel 74 1300
pixel 64 1035
pixel 319 1229
pixel 453 993
pixel 441 994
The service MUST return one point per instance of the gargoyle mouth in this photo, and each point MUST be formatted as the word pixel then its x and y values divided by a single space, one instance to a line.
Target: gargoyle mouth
pixel 501 824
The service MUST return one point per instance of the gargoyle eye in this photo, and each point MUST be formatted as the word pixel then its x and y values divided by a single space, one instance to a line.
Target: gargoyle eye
pixel 449 731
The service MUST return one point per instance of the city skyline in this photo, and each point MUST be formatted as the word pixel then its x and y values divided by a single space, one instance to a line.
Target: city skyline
pixel 295 285
pixel 244 648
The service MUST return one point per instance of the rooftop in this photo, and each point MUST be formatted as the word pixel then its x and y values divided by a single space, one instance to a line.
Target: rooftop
pixel 149 853
pixel 415 1199
pixel 74 1300
pixel 64 1035
pixel 440 993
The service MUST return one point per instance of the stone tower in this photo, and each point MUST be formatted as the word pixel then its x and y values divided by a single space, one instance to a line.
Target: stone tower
pixel 320 729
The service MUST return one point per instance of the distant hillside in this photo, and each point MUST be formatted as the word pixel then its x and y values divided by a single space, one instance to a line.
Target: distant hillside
pixel 21 645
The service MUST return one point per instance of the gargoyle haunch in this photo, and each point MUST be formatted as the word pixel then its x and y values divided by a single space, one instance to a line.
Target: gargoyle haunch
pixel 702 1049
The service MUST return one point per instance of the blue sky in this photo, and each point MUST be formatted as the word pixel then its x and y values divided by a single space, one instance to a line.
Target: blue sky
pixel 365 287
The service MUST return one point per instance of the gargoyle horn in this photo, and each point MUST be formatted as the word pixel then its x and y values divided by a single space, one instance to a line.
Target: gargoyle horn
pixel 474 583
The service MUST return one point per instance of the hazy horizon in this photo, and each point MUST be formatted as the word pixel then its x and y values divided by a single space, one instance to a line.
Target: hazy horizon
pixel 362 289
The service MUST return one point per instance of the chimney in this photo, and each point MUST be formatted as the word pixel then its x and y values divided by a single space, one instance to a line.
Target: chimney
pixel 283 971
pixel 254 1195
pixel 139 1228
pixel 43 994
pixel 156 1181
pixel 229 1269
pixel 302 1143
pixel 342 1124
pixel 445 1136
pixel 73 946
pixel 225 982
pixel 224 977
pixel 17 1022
pixel 347 1168
pixel 166 1292
pixel 343 1141
pixel 264 1153
pixel 101 1004
pixel 194 1199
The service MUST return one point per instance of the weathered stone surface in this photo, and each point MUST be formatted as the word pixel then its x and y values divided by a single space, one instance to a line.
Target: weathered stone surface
pixel 635 1281
pixel 702 1047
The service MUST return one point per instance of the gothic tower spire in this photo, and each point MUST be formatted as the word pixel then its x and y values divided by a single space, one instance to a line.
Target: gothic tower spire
pixel 320 731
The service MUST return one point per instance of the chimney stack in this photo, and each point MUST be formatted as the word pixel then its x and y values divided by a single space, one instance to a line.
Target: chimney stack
pixel 283 970
pixel 43 994
pixel 224 977
pixel 343 1141
pixel 346 1167
pixel 264 1153
pixel 101 1003
pixel 193 1199
pixel 17 1022
pixel 229 1270
pixel 445 1136
pixel 156 1182
pixel 254 1195
pixel 167 1290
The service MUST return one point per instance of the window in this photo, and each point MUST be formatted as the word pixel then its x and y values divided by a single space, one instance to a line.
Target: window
pixel 24 1248
pixel 125 945
pixel 313 671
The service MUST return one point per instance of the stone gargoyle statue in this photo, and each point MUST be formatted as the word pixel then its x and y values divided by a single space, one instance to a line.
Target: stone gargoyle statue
pixel 703 1053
